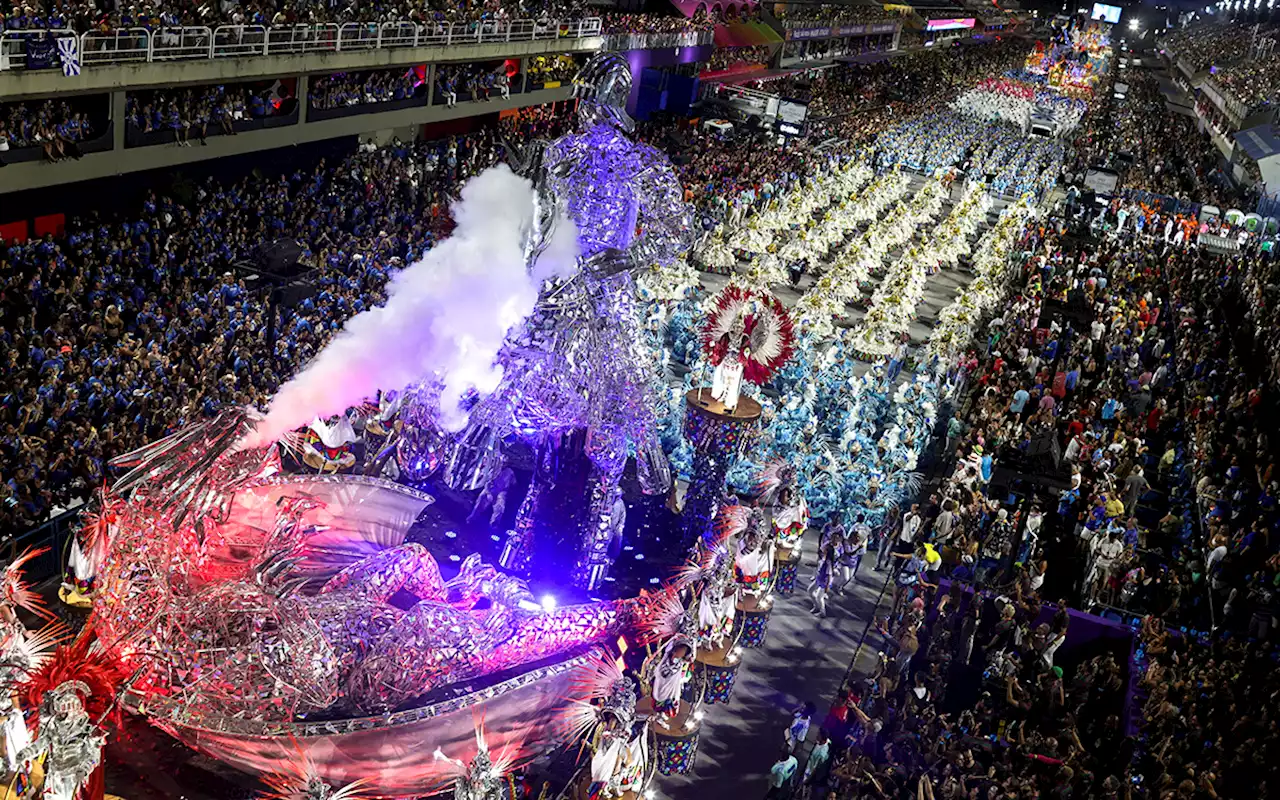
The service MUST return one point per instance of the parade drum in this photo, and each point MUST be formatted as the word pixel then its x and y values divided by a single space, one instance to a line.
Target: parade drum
pixel 675 746
pixel 754 613
pixel 788 562
pixel 323 462
pixel 377 429
pixel 717 670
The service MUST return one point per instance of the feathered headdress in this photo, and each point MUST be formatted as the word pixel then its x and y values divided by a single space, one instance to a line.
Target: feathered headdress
pixel 95 530
pixel 82 664
pixel 731 521
pixel 18 592
pixel 766 324
pixel 487 777
pixel 600 690
pixel 29 653
pixel 773 478
pixel 299 779
pixel 662 617
pixel 715 563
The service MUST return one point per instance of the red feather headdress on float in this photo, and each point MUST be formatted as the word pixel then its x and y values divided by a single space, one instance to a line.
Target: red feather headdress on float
pixel 80 662
pixel 18 592
pixel 770 338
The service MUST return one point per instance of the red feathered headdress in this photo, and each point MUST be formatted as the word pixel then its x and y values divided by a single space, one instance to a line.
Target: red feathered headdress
pixel 770 340
pixel 95 532
pixel 83 662
pixel 18 592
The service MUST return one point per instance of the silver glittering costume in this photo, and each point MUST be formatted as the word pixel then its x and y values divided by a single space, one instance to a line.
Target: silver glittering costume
pixel 70 741
pixel 578 363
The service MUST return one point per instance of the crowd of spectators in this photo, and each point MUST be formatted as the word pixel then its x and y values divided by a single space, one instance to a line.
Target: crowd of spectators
pixel 1209 712
pixel 198 111
pixel 1174 159
pixel 1146 360
pixel 949 727
pixel 56 126
pixel 548 69
pixel 1252 83
pixel 83 17
pixel 1082 356
pixel 1129 345
pixel 618 24
pixel 850 103
pixel 975 695
pixel 723 58
pixel 1208 45
pixel 478 81
pixel 832 13
pixel 343 89
pixel 133 324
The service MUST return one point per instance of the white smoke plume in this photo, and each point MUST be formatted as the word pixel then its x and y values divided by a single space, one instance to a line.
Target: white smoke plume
pixel 446 314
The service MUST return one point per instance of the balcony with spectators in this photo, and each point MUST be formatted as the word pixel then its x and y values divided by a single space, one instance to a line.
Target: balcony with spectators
pixel 656 31
pixel 53 129
pixel 1200 48
pixel 1249 87
pixel 189 115
pixel 122 48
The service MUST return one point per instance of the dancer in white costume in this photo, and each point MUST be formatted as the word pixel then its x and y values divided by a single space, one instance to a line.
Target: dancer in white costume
pixel 13 661
pixel 754 561
pixel 667 673
pixel 726 381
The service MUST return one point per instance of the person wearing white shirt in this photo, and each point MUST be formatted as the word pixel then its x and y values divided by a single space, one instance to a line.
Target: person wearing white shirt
pixel 912 522
pixel 945 522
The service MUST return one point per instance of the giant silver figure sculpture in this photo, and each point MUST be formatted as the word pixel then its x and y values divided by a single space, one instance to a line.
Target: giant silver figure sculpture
pixel 577 364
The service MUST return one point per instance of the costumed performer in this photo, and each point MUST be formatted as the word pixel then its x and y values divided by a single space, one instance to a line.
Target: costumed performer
pixel 619 746
pixel 667 672
pixel 88 548
pixel 747 337
pixel 752 547
pixel 327 445
pixel 20 652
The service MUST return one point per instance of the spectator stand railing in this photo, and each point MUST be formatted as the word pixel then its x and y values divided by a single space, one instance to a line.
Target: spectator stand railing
pixel 55 534
pixel 13 45
pixel 236 41
pixel 658 41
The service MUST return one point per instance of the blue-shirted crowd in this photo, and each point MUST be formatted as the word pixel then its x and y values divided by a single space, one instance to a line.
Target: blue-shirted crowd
pixel 344 89
pixel 199 111
pixel 54 125
pixel 129 326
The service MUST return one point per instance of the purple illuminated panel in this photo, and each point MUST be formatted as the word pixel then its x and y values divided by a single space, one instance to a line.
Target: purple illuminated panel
pixel 949 24
pixel 639 59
